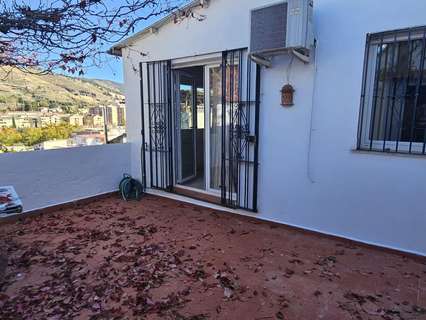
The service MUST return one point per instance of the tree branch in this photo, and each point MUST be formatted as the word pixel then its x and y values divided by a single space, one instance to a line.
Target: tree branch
pixel 71 34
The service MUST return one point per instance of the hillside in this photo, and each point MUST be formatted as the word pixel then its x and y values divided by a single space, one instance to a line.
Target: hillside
pixel 20 89
pixel 106 83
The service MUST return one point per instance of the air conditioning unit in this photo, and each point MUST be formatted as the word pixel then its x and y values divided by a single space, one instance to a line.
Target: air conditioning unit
pixel 282 27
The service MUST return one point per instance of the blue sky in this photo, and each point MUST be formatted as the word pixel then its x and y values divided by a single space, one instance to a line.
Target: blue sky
pixel 111 69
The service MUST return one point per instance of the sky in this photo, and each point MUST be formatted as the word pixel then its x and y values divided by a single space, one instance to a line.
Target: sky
pixel 112 68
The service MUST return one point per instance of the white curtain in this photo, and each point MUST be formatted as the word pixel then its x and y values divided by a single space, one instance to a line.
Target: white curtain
pixel 215 79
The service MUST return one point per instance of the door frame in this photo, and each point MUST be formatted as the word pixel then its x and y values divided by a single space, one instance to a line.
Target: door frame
pixel 207 143
pixel 213 61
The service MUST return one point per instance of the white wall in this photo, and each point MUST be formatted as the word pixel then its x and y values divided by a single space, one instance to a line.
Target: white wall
pixel 46 178
pixel 373 198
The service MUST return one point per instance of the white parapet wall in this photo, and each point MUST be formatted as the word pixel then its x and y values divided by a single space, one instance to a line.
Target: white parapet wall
pixel 48 178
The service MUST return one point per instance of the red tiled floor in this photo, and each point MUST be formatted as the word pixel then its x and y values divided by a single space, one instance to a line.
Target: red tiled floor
pixel 161 259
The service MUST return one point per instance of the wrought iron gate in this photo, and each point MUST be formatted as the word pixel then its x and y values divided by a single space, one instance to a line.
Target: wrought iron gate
pixel 157 141
pixel 240 130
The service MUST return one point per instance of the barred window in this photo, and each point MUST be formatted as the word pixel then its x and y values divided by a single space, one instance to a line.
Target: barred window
pixel 393 101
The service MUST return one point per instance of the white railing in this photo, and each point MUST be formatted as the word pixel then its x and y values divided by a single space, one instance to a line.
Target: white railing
pixel 47 178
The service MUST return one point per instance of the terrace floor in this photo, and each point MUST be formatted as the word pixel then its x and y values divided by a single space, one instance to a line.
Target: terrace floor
pixel 162 259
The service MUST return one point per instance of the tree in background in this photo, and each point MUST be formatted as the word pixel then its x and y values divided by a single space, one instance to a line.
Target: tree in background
pixel 70 34
pixel 31 136
pixel 9 137
pixel 54 132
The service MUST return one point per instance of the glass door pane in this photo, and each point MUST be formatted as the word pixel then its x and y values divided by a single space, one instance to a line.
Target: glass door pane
pixel 215 99
pixel 187 133
pixel 216 121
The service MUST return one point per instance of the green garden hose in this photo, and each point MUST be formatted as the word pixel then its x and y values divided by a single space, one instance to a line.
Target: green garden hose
pixel 130 189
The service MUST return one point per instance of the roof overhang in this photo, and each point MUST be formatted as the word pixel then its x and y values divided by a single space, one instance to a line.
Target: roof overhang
pixel 116 50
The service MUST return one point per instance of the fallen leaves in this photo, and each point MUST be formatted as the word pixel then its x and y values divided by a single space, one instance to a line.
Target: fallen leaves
pixel 279 315
pixel 228 280
pixel 102 262
pixel 327 265
pixel 76 283
pixel 363 306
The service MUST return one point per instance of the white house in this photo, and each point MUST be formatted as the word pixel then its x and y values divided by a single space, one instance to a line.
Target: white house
pixel 6 122
pixel 77 120
pixel 321 162
pixel 54 144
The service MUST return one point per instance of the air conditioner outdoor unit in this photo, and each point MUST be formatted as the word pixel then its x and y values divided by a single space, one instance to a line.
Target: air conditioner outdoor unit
pixel 282 27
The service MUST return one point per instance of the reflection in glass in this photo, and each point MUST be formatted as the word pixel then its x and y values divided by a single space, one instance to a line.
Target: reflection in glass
pixel 186 98
pixel 215 81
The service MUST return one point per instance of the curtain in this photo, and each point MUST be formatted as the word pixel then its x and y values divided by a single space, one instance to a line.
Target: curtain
pixel 215 79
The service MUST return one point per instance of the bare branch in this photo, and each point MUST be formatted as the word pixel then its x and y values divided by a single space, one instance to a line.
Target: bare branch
pixel 40 36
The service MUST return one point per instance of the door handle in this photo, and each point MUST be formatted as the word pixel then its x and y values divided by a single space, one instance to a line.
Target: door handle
pixel 251 139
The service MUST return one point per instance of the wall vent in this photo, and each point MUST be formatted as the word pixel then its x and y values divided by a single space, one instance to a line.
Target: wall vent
pixel 282 26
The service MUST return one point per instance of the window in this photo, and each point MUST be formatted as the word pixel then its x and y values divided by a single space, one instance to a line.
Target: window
pixel 393 101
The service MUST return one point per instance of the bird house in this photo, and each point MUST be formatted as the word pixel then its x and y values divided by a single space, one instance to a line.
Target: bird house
pixel 287 95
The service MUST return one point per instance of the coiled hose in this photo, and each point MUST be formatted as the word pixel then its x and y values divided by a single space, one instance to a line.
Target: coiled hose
pixel 130 189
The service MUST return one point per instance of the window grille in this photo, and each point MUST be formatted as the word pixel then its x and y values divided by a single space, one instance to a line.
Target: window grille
pixel 393 100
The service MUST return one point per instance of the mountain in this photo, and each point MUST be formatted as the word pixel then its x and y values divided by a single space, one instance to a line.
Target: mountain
pixel 22 90
pixel 107 83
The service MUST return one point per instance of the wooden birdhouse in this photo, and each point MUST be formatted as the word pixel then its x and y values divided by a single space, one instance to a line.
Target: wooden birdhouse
pixel 287 95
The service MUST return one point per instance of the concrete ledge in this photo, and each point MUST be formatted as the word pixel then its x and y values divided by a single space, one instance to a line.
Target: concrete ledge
pixel 389 154
pixel 197 195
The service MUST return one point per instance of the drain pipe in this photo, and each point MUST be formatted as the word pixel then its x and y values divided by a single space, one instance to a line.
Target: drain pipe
pixel 311 129
pixel 105 124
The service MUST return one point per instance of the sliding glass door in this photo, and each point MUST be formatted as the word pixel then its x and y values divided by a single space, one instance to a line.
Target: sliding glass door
pixel 186 127
pixel 214 151
pixel 219 124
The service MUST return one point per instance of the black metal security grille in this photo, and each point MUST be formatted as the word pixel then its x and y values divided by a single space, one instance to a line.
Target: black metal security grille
pixel 393 101
pixel 240 130
pixel 238 125
pixel 157 114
